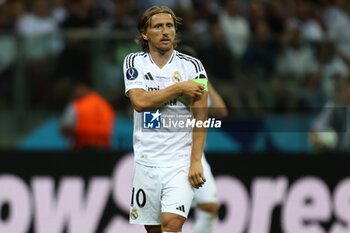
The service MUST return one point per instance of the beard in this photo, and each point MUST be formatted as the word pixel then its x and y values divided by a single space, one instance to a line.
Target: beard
pixel 163 50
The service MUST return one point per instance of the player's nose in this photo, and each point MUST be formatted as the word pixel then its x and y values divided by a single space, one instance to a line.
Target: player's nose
pixel 165 30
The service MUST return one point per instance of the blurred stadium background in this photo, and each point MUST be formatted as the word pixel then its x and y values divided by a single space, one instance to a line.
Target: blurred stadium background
pixel 276 63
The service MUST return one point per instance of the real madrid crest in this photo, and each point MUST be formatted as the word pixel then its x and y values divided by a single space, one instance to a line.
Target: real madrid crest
pixel 177 77
pixel 133 214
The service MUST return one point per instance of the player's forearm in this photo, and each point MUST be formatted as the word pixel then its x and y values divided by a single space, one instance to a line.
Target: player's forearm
pixel 198 146
pixel 144 100
pixel 200 113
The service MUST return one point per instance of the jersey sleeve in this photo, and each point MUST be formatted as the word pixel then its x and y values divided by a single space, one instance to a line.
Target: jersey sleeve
pixel 197 70
pixel 132 70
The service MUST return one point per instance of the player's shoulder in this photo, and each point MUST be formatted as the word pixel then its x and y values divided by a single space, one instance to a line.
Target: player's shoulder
pixel 185 56
pixel 131 58
pixel 190 61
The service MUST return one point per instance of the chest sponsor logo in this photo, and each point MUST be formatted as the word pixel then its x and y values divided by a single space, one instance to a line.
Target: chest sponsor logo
pixel 172 102
pixel 153 88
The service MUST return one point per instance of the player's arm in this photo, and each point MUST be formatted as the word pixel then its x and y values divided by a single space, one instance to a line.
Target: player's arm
pixel 200 112
pixel 217 107
pixel 143 100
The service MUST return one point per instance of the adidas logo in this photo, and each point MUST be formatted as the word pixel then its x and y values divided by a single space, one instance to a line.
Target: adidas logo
pixel 181 208
pixel 148 76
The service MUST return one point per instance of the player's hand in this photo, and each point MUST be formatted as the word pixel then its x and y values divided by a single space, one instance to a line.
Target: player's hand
pixel 192 89
pixel 196 176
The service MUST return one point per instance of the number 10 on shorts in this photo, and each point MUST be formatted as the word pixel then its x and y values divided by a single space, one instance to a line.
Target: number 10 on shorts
pixel 140 197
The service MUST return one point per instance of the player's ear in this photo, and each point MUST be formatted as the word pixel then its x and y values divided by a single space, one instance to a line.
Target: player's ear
pixel 144 36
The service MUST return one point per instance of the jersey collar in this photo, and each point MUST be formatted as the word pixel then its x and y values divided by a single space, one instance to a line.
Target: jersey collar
pixel 169 61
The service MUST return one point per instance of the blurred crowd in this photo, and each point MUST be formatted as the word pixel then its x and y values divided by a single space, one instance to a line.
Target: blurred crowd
pixel 261 55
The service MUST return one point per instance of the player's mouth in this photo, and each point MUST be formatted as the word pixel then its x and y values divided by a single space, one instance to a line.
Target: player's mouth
pixel 165 41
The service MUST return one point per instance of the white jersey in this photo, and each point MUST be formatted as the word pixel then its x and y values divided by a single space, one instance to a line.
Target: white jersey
pixel 169 147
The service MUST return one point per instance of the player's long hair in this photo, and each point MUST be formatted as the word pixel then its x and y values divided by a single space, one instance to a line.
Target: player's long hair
pixel 144 22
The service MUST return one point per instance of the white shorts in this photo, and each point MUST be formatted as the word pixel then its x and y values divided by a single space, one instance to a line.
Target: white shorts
pixel 206 193
pixel 157 190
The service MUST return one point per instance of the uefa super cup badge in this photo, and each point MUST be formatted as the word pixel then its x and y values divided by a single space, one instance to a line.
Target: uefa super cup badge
pixel 133 214
pixel 177 77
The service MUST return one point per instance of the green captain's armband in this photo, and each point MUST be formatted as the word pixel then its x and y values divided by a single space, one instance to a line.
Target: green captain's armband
pixel 202 81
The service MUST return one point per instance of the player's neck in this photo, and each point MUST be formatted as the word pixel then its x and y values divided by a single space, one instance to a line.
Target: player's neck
pixel 161 58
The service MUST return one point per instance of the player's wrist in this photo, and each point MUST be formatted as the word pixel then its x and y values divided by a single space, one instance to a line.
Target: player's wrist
pixel 196 159
pixel 179 88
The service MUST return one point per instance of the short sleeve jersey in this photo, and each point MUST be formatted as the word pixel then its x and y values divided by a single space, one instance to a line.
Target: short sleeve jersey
pixel 161 148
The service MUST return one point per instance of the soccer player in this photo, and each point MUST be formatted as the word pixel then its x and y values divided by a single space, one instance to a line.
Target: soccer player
pixel 167 164
pixel 205 198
